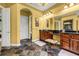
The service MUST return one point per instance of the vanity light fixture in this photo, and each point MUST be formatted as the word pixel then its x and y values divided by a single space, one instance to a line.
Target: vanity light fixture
pixel 48 14
pixel 71 4
pixel 65 7
pixel 45 15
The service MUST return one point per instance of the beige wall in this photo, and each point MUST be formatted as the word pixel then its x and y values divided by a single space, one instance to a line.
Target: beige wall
pixel 35 14
pixel 78 22
pixel 15 23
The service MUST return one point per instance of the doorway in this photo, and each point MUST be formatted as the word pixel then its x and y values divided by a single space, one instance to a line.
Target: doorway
pixel 25 25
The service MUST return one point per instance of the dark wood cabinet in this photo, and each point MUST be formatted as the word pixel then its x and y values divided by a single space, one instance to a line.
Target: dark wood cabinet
pixel 45 35
pixel 65 45
pixel 70 42
pixel 75 45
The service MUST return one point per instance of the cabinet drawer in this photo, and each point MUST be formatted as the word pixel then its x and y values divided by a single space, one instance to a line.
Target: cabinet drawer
pixel 65 40
pixel 75 37
pixel 66 35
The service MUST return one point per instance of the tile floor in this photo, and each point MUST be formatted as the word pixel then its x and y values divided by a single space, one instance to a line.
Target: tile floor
pixel 29 48
pixel 66 53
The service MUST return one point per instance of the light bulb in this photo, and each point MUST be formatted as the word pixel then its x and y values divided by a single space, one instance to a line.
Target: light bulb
pixel 65 7
pixel 71 4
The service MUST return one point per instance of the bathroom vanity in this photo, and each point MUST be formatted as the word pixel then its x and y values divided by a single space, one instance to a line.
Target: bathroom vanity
pixel 45 34
pixel 70 41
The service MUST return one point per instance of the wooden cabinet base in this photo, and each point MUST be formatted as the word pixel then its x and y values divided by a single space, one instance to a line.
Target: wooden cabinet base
pixel 70 42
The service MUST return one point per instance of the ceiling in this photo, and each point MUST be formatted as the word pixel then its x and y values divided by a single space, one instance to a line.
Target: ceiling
pixel 42 6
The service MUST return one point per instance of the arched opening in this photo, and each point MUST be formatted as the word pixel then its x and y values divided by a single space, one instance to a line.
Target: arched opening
pixel 25 26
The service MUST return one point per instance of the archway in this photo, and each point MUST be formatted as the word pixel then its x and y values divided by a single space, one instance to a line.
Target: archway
pixel 25 25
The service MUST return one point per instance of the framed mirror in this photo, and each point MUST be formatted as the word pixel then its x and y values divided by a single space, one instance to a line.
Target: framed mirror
pixel 68 25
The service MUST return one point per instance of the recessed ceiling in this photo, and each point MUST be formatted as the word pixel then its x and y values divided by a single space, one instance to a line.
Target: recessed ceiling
pixel 41 6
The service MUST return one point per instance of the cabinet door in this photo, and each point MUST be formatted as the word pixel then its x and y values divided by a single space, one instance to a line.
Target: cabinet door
pixel 65 45
pixel 75 45
pixel 78 46
pixel 6 27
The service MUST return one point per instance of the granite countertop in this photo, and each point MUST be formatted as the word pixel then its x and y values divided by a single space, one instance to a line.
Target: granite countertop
pixel 55 32
pixel 71 33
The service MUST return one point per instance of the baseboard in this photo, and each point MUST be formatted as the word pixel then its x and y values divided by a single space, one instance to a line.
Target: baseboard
pixel 12 45
pixel 6 47
pixel 24 39
pixel 15 45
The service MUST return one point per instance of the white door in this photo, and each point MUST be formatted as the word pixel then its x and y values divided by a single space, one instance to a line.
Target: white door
pixel 24 27
pixel 6 27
